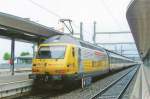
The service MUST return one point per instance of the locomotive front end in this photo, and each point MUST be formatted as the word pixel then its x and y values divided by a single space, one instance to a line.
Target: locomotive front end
pixel 53 62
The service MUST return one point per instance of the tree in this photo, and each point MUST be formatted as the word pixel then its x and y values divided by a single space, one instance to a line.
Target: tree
pixel 6 56
pixel 24 53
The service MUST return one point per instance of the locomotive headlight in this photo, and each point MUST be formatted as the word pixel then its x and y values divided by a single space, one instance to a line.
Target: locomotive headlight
pixel 34 65
pixel 69 65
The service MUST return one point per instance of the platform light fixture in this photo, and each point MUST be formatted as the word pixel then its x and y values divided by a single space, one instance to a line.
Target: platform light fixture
pixel 29 34
pixel 3 28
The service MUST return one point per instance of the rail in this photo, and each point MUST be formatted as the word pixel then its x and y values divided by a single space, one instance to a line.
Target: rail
pixel 119 85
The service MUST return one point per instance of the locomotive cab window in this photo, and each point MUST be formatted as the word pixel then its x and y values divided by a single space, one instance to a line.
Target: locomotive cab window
pixel 52 52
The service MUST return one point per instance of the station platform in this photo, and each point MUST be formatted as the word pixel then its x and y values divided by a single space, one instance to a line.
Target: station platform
pixel 18 71
pixel 20 74
pixel 14 78
pixel 13 85
pixel 141 88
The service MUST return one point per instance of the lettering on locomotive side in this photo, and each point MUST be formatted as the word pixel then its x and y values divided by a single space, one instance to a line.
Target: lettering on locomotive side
pixel 98 53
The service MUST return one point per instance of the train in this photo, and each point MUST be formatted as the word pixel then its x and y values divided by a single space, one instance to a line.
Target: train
pixel 63 58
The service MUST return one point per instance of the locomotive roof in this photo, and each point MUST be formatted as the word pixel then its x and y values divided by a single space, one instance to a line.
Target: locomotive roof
pixel 76 41
pixel 70 39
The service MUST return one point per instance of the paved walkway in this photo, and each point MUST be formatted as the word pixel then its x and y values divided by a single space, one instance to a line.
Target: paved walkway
pixel 18 71
pixel 9 78
pixel 141 87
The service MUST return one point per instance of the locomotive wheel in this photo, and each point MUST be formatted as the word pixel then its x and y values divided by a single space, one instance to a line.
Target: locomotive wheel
pixel 86 81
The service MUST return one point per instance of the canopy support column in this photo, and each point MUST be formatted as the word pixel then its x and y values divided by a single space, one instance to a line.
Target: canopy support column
pixel 12 55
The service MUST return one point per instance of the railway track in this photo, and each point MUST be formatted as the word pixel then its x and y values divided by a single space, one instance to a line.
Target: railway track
pixel 105 87
pixel 44 94
pixel 116 89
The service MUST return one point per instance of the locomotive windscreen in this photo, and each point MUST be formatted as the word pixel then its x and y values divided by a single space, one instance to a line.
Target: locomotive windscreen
pixel 51 52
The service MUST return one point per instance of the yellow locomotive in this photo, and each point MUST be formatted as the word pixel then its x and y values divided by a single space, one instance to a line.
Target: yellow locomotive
pixel 64 58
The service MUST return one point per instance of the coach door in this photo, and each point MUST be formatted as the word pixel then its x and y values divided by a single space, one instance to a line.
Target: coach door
pixel 80 64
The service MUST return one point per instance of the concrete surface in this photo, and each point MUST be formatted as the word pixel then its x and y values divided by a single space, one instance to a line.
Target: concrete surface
pixel 9 78
pixel 141 87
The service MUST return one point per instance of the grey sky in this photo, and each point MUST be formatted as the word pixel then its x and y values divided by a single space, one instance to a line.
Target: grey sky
pixel 109 15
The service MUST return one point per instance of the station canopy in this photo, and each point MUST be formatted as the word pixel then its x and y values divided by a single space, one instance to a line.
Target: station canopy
pixel 138 16
pixel 20 28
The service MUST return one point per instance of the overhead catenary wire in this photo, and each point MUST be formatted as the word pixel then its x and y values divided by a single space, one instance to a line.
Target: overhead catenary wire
pixel 59 17
pixel 51 12
pixel 109 12
pixel 45 9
